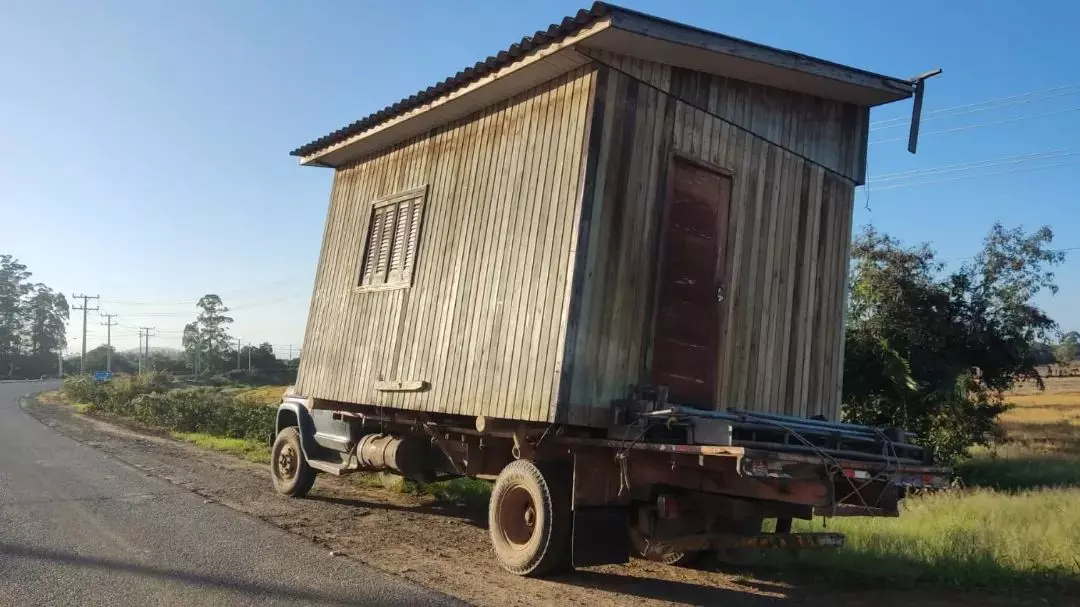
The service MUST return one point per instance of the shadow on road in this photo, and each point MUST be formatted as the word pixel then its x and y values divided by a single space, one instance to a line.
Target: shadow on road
pixel 15 551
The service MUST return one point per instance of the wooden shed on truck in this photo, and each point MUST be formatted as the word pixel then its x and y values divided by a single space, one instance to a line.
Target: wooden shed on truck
pixel 617 201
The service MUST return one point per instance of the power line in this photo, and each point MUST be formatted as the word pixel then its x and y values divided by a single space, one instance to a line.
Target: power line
pixel 959 177
pixel 192 302
pixel 1064 250
pixel 998 103
pixel 983 124
pixel 966 166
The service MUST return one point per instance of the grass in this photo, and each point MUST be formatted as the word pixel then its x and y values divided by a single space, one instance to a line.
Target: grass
pixel 978 538
pixel 251 450
pixel 262 395
pixel 471 493
pixel 1015 527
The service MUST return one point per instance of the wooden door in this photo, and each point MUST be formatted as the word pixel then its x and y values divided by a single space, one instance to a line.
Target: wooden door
pixel 690 284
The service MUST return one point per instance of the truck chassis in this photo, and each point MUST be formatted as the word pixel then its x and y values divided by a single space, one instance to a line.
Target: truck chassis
pixel 663 483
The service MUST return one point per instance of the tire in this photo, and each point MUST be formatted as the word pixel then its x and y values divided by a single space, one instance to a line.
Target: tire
pixel 681 559
pixel 529 518
pixel 288 467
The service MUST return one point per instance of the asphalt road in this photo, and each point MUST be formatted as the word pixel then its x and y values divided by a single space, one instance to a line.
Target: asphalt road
pixel 78 527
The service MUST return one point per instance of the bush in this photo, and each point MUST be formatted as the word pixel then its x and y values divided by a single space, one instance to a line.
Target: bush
pixel 145 399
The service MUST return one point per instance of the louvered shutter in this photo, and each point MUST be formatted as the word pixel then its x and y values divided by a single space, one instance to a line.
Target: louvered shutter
pixel 389 258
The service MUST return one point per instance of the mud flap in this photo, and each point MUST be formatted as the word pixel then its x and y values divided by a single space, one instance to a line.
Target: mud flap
pixel 600 536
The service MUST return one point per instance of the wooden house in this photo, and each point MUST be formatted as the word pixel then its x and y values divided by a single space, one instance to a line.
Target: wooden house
pixel 619 200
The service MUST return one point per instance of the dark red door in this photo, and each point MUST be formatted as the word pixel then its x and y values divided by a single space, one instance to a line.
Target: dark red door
pixel 691 284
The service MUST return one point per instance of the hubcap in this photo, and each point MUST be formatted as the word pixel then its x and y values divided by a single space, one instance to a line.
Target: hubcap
pixel 286 462
pixel 517 516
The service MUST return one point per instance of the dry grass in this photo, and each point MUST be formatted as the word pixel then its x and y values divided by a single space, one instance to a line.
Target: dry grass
pixel 1015 528
pixel 263 395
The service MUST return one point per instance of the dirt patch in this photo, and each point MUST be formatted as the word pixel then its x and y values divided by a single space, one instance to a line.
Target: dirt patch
pixel 442 547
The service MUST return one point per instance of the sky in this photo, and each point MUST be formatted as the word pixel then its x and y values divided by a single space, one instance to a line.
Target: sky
pixel 144 144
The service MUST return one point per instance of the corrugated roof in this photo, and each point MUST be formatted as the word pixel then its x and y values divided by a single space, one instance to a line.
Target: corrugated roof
pixel 554 33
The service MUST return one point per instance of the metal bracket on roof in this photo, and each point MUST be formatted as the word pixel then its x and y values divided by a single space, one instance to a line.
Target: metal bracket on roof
pixel 916 109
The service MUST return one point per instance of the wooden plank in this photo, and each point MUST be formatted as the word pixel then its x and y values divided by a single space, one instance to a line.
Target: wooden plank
pixel 440 260
pixel 766 311
pixel 478 275
pixel 535 372
pixel 806 315
pixel 568 408
pixel 504 362
pixel 584 88
pixel 592 277
pixel 473 242
pixel 509 183
pixel 848 201
pixel 519 351
pixel 796 295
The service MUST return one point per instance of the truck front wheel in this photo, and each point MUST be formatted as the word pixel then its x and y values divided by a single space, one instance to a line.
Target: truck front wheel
pixel 289 468
pixel 529 518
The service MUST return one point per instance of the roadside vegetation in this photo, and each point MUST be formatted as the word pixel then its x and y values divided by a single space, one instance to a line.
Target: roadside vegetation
pixel 1012 523
pixel 150 399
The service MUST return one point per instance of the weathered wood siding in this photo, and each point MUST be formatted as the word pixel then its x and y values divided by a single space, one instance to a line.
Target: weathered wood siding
pixel 482 322
pixel 788 236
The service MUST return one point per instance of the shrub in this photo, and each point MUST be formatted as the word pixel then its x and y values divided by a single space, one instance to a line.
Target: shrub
pixel 146 399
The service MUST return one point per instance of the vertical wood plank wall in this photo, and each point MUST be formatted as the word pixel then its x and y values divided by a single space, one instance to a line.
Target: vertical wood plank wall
pixel 788 240
pixel 481 322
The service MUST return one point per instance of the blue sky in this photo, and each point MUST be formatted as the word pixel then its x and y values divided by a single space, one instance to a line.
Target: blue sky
pixel 144 144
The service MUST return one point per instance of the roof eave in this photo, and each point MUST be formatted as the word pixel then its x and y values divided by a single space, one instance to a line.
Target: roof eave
pixel 872 89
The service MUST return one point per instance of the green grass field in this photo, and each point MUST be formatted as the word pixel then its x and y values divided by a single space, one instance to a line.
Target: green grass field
pixel 1015 526
pixel 250 450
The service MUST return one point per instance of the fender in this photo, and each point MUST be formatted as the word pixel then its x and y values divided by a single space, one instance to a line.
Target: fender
pixel 294 409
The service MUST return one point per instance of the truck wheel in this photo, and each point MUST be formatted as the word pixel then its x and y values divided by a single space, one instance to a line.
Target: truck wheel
pixel 529 518
pixel 682 559
pixel 291 473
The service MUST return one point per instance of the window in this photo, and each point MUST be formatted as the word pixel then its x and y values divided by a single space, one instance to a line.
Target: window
pixel 392 237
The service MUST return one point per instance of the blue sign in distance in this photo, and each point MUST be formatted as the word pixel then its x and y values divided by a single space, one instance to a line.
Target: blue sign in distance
pixel 102 375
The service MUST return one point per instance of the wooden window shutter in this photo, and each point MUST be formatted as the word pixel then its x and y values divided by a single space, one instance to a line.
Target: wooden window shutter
pixel 393 236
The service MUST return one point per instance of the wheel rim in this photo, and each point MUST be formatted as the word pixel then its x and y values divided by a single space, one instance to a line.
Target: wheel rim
pixel 287 462
pixel 517 517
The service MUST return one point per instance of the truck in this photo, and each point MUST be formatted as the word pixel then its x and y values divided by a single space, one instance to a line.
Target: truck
pixel 605 268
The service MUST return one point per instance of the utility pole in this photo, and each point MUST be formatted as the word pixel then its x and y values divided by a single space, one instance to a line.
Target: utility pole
pixel 237 353
pixel 146 333
pixel 108 324
pixel 140 350
pixel 60 362
pixel 85 308
pixel 249 357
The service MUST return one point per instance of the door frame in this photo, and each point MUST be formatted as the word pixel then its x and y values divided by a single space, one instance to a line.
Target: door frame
pixel 656 268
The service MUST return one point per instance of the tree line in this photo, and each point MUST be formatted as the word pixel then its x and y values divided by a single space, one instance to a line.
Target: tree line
pixel 32 323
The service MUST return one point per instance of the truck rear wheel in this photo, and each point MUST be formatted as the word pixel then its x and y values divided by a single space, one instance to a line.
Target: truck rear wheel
pixel 288 467
pixel 529 518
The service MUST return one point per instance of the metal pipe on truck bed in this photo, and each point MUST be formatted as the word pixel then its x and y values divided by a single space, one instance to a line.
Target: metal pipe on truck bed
pixel 762 423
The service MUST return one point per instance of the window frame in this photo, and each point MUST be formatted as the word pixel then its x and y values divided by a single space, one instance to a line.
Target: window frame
pixel 421 194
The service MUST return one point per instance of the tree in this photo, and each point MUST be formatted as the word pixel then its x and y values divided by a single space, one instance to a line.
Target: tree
pixel 13 290
pixel 935 352
pixel 207 339
pixel 262 357
pixel 97 359
pixel 1067 350
pixel 32 323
